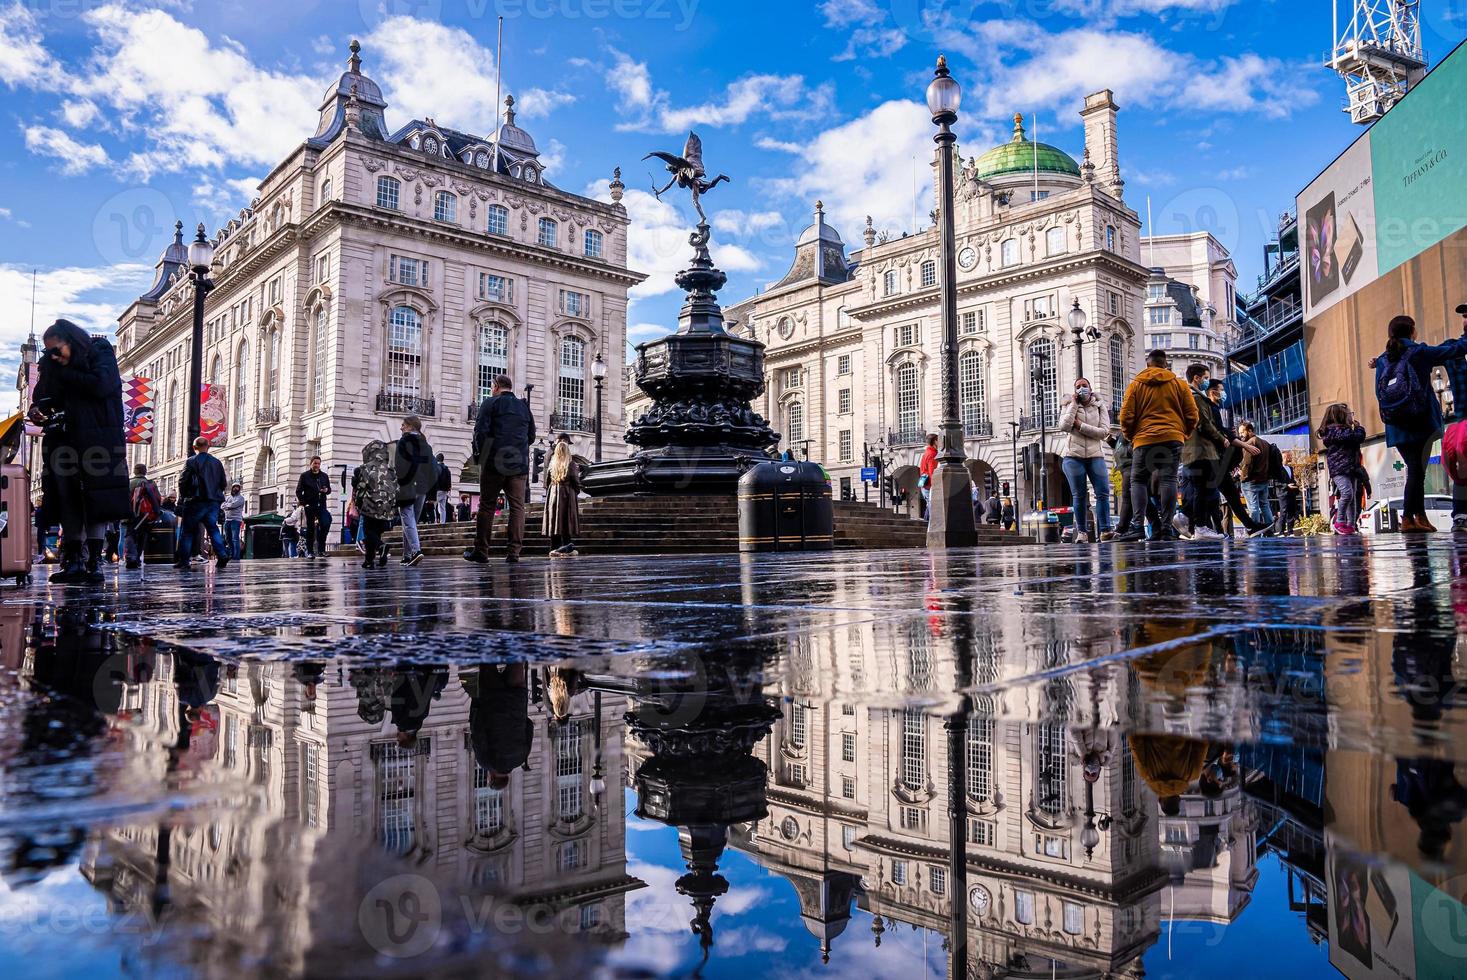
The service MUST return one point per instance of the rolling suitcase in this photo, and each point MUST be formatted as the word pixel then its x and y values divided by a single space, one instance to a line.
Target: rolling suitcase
pixel 16 544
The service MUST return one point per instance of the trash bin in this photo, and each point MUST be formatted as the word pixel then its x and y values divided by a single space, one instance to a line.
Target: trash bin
pixel 262 536
pixel 785 505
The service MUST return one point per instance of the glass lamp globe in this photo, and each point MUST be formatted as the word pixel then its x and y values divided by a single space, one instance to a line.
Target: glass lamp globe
pixel 944 95
pixel 200 252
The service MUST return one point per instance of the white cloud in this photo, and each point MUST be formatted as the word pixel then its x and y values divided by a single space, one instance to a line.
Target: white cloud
pixel 534 102
pixel 732 221
pixel 76 158
pixel 90 297
pixel 657 241
pixel 784 146
pixel 78 113
pixel 458 89
pixel 871 35
pixel 552 155
pixel 779 97
pixel 24 60
pixel 865 166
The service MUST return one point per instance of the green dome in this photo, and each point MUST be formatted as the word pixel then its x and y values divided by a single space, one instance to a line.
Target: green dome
pixel 1018 155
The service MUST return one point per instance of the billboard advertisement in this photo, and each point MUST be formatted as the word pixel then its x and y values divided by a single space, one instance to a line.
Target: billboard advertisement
pixel 214 415
pixel 1398 190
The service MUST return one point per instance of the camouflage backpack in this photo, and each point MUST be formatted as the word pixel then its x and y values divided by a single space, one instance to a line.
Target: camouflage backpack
pixel 375 483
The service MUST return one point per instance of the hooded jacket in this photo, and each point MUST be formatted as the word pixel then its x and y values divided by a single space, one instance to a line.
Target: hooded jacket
pixel 1207 441
pixel 1086 427
pixel 1158 408
pixel 89 391
pixel 374 484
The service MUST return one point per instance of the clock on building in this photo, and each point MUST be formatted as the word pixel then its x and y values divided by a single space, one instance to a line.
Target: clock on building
pixel 968 257
pixel 979 898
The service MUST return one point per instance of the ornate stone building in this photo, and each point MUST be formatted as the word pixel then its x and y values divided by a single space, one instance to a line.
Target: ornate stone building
pixel 854 340
pixel 381 273
pixel 1191 298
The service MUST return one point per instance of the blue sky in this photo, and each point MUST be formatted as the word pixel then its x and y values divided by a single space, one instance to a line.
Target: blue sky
pixel 123 116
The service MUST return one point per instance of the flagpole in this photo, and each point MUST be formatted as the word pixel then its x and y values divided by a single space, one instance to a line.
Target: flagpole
pixel 498 78
pixel 1034 125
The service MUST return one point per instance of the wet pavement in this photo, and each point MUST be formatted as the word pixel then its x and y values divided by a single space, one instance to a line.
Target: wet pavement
pixel 1165 760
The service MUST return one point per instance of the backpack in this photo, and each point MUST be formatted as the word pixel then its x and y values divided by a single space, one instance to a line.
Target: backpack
pixel 146 503
pixel 1454 452
pixel 445 479
pixel 1403 399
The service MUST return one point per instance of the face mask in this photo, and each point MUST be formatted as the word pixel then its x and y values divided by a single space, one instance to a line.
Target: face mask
pixel 1083 394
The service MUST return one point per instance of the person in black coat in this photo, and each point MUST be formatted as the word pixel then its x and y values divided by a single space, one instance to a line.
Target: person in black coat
pixel 78 404
pixel 503 431
pixel 313 492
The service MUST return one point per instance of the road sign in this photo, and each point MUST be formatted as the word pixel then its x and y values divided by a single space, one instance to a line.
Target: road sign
pixel 868 474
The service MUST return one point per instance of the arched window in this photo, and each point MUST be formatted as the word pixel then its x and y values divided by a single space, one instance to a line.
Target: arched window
pixel 548 232
pixel 173 420
pixel 493 358
pixel 913 772
pixel 387 192
pixel 318 357
pixel 794 424
pixel 1110 237
pixel 1008 252
pixel 971 392
pixel 908 403
pixel 1054 241
pixel 270 469
pixel 888 282
pixel 1043 381
pixel 241 377
pixel 1118 377
pixel 216 369
pixel 593 243
pixel 325 191
pixel 445 207
pixel 498 220
pixel 570 395
pixel 271 374
pixel 1051 768
pixel 404 356
pixel 929 274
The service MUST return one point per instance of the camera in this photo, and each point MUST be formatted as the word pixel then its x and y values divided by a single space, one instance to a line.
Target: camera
pixel 53 420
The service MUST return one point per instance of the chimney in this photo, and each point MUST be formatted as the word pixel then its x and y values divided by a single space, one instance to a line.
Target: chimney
pixel 1099 115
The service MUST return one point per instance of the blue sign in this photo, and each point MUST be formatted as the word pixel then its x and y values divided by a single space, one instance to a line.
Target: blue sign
pixel 868 474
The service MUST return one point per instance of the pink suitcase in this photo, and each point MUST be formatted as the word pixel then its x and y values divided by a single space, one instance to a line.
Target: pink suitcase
pixel 16 539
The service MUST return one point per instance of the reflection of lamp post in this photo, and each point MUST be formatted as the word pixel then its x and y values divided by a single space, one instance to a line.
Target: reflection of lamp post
pixel 598 784
pixel 598 372
pixel 950 517
pixel 200 257
pixel 1090 835
pixel 1043 358
pixel 1077 328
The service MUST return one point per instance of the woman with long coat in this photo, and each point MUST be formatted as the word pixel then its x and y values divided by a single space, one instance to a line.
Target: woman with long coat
pixel 78 404
pixel 561 520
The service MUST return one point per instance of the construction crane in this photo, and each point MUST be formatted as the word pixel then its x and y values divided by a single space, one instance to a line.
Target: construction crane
pixel 1378 54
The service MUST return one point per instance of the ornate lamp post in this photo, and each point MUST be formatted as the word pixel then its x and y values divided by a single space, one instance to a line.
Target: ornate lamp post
pixel 598 372
pixel 200 258
pixel 950 520
pixel 1077 328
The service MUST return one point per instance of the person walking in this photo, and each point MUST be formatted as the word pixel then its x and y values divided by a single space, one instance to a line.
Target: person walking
pixel 1253 474
pixel 560 520
pixel 992 510
pixel 503 431
pixel 416 477
pixel 1231 460
pixel 201 484
pixel 290 531
pixel 77 402
pixel 313 492
pixel 1342 437
pixel 233 510
pixel 443 488
pixel 1202 456
pixel 374 490
pixel 925 468
pixel 147 510
pixel 1007 514
pixel 1158 414
pixel 1410 410
pixel 1086 424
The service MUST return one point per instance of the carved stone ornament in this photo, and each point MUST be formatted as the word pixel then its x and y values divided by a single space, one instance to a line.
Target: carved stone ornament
pixel 373 165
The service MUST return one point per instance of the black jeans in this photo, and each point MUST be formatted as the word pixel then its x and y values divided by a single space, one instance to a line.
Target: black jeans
pixel 1414 455
pixel 1158 462
pixel 374 528
pixel 1202 510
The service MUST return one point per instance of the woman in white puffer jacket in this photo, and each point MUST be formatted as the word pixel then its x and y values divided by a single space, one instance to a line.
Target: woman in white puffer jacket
pixel 1086 424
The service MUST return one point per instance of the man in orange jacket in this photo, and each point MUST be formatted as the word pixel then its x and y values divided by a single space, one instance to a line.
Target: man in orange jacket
pixel 1157 415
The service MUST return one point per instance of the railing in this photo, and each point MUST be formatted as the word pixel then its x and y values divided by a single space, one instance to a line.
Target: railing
pixel 1286 265
pixel 978 429
pixel 398 403
pixel 1273 318
pixel 565 422
pixel 267 416
pixel 907 437
pixel 1030 423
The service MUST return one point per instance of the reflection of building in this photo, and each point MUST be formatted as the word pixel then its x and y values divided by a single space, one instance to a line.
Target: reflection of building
pixel 854 342
pixel 1190 298
pixel 384 273
pixel 858 803
pixel 329 798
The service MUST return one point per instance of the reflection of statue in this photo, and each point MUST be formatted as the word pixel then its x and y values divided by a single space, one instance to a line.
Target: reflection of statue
pixel 687 171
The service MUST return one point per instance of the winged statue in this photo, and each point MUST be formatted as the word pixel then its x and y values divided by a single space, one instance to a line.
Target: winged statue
pixel 687 171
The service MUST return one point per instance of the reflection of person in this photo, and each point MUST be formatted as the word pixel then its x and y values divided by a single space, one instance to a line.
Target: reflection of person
pixel 78 403
pixel 500 729
pixel 412 697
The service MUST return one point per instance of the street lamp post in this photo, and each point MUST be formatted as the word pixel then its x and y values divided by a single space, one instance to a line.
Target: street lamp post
pixel 200 258
pixel 598 372
pixel 950 517
pixel 1014 428
pixel 1077 328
